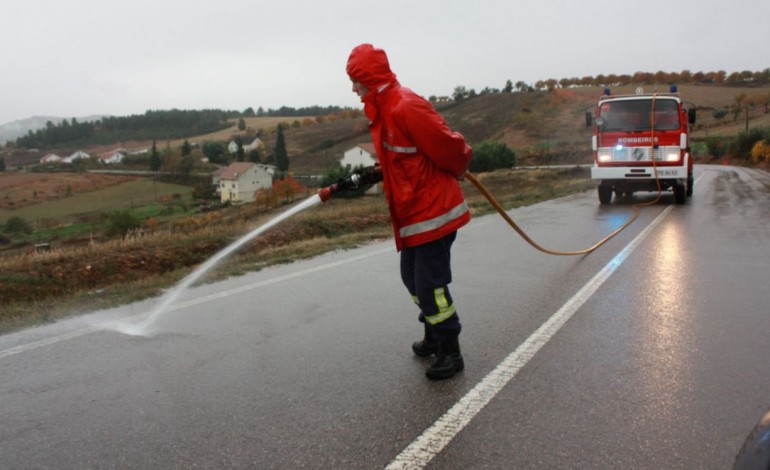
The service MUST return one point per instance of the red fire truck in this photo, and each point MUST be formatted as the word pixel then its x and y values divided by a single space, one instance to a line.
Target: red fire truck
pixel 641 143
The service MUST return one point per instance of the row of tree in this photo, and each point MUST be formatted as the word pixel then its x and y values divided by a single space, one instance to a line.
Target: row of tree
pixel 154 125
pixel 720 77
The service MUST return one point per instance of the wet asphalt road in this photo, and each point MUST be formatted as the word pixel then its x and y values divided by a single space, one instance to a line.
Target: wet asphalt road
pixel 659 357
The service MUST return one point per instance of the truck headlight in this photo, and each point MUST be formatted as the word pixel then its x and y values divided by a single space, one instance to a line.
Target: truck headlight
pixel 672 156
pixel 604 155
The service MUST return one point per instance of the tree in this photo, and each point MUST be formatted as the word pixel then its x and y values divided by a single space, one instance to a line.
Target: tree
pixel 240 154
pixel 2 163
pixel 214 151
pixel 249 112
pixel 460 93
pixel 508 86
pixel 155 161
pixel 254 156
pixel 241 124
pixel 186 148
pixel 279 152
pixel 187 165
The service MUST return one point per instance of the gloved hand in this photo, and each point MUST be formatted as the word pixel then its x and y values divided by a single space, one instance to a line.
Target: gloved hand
pixel 370 175
pixel 344 184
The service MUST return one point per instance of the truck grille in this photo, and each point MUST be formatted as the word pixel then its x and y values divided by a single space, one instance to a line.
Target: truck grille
pixel 640 154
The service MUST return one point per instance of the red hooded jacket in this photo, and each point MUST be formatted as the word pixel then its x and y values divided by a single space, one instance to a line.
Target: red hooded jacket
pixel 421 158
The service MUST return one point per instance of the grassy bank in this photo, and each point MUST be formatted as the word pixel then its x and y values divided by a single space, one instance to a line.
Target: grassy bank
pixel 40 288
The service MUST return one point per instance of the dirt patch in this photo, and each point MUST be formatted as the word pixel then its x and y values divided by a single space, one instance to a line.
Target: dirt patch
pixel 25 189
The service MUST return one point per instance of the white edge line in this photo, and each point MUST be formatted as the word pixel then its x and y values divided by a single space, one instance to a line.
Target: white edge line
pixel 423 449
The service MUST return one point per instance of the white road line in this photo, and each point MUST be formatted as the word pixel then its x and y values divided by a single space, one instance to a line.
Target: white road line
pixel 422 450
pixel 208 298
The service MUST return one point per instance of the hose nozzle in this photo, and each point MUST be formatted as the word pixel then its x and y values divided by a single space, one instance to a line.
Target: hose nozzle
pixel 351 182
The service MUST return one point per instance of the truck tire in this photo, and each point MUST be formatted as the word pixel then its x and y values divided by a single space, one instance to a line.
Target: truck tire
pixel 755 453
pixel 605 194
pixel 679 193
pixel 689 185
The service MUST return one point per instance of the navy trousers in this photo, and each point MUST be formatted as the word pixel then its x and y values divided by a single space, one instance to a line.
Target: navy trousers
pixel 426 273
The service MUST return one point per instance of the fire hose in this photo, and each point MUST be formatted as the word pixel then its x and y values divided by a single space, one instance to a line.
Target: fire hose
pixel 371 175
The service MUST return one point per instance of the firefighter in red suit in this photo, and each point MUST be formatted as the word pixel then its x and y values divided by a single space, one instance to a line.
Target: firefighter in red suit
pixel 421 162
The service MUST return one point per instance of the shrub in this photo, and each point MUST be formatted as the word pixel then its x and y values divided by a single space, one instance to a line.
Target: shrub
pixel 716 146
pixel 742 144
pixel 699 149
pixel 18 226
pixel 121 222
pixel 489 156
pixel 760 153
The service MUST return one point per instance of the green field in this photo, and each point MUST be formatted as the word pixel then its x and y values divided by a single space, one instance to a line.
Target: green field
pixel 131 195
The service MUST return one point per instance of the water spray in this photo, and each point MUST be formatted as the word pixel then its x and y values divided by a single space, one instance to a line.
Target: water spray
pixel 142 327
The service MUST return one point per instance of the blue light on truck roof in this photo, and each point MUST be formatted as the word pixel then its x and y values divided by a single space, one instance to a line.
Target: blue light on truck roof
pixel 618 147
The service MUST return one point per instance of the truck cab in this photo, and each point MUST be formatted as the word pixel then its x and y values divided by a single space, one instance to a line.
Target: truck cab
pixel 641 143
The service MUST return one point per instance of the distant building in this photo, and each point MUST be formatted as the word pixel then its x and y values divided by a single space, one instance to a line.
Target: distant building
pixel 50 158
pixel 257 144
pixel 240 181
pixel 113 156
pixel 361 155
pixel 79 155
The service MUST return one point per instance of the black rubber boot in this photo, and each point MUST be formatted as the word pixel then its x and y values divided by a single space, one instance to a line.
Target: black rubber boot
pixel 427 346
pixel 450 361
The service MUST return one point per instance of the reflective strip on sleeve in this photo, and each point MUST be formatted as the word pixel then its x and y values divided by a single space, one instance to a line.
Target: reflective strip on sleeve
pixel 444 309
pixel 434 223
pixel 415 300
pixel 397 149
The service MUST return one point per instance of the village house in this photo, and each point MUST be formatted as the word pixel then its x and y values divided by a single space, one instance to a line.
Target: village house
pixel 50 158
pixel 361 155
pixel 76 156
pixel 257 144
pixel 240 181
pixel 113 156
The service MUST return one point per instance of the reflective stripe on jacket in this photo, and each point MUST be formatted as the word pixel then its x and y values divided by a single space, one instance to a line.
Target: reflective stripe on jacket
pixel 421 162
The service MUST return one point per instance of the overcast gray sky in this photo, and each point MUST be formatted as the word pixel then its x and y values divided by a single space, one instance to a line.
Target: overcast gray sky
pixel 73 58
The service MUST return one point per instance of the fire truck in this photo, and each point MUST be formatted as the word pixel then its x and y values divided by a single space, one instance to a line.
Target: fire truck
pixel 641 143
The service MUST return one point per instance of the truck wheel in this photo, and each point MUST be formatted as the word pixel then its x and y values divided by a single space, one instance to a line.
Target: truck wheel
pixel 679 193
pixel 755 452
pixel 689 185
pixel 605 194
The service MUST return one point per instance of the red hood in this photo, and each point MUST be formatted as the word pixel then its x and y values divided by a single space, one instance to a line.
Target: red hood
pixel 369 66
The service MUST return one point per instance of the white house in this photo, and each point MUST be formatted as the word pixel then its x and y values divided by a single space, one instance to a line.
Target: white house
pixel 76 156
pixel 115 156
pixel 50 158
pixel 241 180
pixel 361 155
pixel 257 144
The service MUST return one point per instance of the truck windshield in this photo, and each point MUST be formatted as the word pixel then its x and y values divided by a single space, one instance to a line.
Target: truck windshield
pixel 636 115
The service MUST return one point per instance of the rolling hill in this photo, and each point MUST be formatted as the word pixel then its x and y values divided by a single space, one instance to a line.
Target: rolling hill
pixel 540 126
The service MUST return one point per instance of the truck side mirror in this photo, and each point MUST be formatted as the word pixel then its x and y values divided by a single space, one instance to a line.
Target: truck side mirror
pixel 691 115
pixel 589 119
